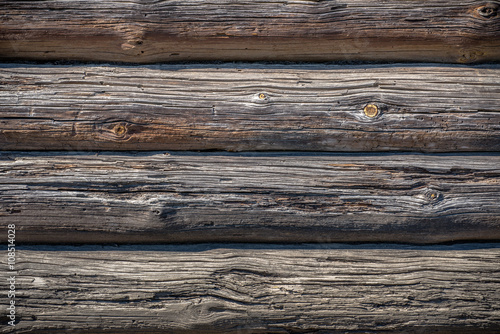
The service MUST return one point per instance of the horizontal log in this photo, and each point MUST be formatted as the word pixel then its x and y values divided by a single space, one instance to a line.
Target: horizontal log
pixel 299 30
pixel 257 290
pixel 253 197
pixel 250 107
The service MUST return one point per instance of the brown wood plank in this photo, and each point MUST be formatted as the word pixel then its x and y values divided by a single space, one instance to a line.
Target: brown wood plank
pixel 250 107
pixel 265 289
pixel 217 197
pixel 149 31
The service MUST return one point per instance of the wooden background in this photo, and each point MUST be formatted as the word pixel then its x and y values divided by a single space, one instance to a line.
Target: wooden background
pixel 229 166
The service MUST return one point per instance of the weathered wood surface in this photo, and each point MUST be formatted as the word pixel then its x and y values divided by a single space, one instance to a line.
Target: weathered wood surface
pixel 156 31
pixel 220 197
pixel 250 107
pixel 261 289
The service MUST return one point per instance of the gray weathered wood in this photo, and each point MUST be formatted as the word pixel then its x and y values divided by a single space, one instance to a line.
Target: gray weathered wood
pixel 217 197
pixel 263 289
pixel 298 30
pixel 250 107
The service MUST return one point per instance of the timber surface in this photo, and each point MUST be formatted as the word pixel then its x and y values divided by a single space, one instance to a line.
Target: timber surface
pixel 259 197
pixel 250 107
pixel 148 31
pixel 260 289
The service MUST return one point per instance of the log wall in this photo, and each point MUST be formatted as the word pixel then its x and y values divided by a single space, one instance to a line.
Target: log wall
pixel 135 133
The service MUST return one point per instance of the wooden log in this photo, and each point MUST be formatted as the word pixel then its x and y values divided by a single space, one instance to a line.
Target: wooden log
pixel 260 289
pixel 250 107
pixel 299 30
pixel 217 197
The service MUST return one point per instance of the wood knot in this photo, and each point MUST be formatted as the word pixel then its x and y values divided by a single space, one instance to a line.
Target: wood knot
pixel 433 195
pixel 120 130
pixel 260 98
pixel 371 110
pixel 470 56
pixel 117 130
pixel 488 11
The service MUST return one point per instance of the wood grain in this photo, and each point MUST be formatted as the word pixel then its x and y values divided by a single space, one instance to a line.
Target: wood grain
pixel 250 107
pixel 253 197
pixel 148 31
pixel 264 289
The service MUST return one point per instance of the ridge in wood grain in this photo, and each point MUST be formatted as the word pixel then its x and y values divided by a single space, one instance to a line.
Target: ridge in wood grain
pixel 159 197
pixel 226 290
pixel 157 31
pixel 250 107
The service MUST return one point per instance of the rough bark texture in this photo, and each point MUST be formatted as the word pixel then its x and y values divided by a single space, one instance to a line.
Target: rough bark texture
pixel 250 107
pixel 212 197
pixel 152 31
pixel 260 289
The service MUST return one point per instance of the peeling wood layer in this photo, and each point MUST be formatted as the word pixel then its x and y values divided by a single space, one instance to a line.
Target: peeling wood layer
pixel 250 107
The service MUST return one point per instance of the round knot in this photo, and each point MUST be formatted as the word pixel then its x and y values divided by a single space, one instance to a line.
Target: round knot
pixel 488 11
pixel 433 195
pixel 371 110
pixel 120 129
